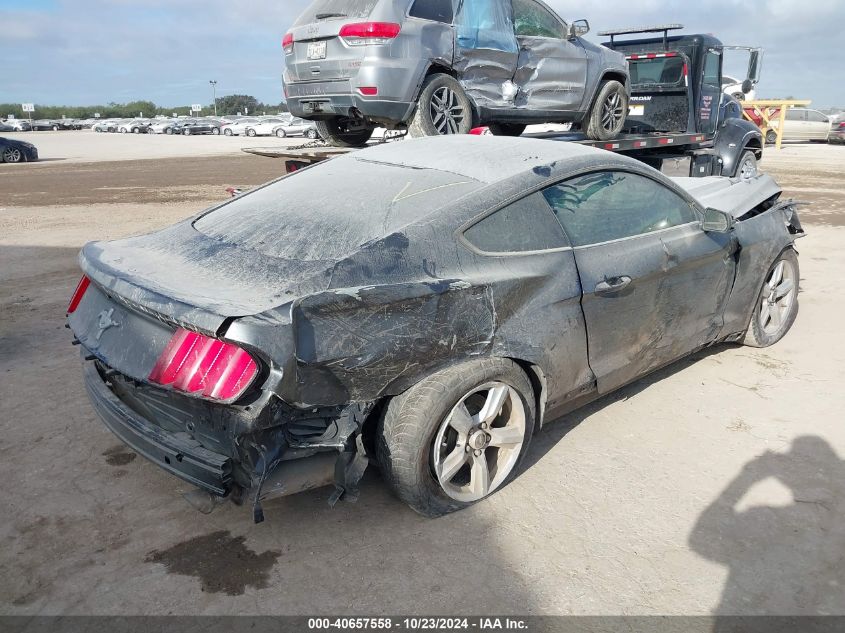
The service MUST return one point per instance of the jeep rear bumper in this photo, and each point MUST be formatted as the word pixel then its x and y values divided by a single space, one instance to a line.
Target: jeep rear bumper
pixel 328 99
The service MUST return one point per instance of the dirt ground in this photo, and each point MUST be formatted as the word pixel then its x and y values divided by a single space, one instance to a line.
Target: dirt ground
pixel 716 485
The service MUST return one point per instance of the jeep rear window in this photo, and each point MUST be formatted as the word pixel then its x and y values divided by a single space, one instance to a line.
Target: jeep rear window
pixel 661 71
pixel 337 10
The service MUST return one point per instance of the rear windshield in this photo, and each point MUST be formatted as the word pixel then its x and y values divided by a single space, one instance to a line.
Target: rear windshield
pixel 328 212
pixel 661 71
pixel 338 9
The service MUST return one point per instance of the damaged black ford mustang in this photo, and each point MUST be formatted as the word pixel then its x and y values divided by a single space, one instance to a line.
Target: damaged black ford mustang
pixel 425 305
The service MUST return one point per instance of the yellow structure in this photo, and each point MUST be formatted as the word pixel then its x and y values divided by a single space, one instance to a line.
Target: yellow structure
pixel 764 112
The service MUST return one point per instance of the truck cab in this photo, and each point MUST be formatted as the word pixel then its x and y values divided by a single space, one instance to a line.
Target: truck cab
pixel 676 88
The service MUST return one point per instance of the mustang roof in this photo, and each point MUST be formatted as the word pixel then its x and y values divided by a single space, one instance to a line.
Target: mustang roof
pixel 485 158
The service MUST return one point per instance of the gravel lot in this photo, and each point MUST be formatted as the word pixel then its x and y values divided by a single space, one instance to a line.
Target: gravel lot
pixel 715 485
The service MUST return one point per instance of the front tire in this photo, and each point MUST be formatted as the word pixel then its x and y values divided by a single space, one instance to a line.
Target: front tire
pixel 12 155
pixel 169 130
pixel 457 436
pixel 506 129
pixel 228 132
pixel 215 131
pixel 443 108
pixel 610 109
pixel 747 167
pixel 339 133
pixel 250 132
pixel 312 134
pixel 280 133
pixel 776 306
pixel 771 137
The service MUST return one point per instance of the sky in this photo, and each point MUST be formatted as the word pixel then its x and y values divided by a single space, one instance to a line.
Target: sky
pixel 83 52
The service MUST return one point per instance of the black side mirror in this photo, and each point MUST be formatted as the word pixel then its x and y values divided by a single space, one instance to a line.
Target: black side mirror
pixel 747 86
pixel 716 221
pixel 578 28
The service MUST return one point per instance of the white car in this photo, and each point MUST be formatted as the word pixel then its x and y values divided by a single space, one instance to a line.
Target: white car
pixel 265 127
pixel 733 87
pixel 802 124
pixel 239 127
pixel 162 126
pixel 133 126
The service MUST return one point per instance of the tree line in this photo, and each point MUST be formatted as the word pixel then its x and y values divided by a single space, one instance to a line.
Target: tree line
pixel 229 104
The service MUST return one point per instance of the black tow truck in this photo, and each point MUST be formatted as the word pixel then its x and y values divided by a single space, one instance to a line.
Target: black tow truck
pixel 679 120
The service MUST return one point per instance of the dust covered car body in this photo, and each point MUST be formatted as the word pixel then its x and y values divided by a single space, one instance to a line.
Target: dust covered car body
pixel 429 308
pixel 445 66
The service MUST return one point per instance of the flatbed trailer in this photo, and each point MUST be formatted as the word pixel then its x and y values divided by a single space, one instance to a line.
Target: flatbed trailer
pixel 662 151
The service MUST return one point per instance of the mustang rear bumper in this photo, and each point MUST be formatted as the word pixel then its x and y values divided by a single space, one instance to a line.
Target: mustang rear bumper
pixel 175 452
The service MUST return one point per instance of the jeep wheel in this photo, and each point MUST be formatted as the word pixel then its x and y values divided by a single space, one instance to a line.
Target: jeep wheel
pixel 610 109
pixel 442 108
pixel 457 436
pixel 507 129
pixel 343 132
pixel 747 167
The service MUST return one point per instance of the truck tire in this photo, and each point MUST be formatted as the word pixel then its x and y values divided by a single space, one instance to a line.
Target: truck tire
pixel 610 108
pixel 747 169
pixel 507 129
pixel 456 436
pixel 443 108
pixel 335 132
pixel 776 306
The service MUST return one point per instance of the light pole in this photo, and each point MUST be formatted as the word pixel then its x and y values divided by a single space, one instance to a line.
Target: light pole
pixel 213 83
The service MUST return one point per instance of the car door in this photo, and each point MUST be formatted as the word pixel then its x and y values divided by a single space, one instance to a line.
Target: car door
pixel 795 125
pixel 654 285
pixel 818 125
pixel 486 51
pixel 551 70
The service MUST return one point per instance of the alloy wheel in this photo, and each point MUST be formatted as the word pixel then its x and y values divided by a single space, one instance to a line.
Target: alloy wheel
pixel 612 112
pixel 447 113
pixel 479 443
pixel 748 169
pixel 12 155
pixel 778 297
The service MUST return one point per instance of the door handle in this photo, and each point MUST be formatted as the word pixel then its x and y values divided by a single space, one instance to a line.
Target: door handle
pixel 612 284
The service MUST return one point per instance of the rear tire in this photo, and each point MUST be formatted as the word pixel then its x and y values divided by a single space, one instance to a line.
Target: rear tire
pixel 776 306
pixel 280 133
pixel 429 463
pixel 507 129
pixel 312 134
pixel 169 130
pixel 338 133
pixel 443 108
pixel 186 132
pixel 771 137
pixel 250 132
pixel 610 108
pixel 228 132
pixel 215 131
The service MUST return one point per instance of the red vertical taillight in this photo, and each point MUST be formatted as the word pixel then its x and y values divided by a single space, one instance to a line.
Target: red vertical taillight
pixel 201 365
pixel 81 287
pixel 287 43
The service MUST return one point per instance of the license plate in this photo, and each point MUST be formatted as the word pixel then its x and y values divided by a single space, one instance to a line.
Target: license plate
pixel 636 110
pixel 317 50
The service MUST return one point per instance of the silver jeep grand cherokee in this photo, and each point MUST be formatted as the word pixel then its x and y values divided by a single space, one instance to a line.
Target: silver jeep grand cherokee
pixel 446 66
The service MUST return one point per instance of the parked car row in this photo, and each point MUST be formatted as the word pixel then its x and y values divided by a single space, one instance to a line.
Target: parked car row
pixel 280 125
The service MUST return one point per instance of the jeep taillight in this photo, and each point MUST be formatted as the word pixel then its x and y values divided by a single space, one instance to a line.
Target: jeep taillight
pixel 287 43
pixel 81 287
pixel 200 365
pixel 368 33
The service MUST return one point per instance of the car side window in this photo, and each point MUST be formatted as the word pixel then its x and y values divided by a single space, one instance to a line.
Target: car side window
pixel 532 19
pixel 610 205
pixel 816 117
pixel 526 225
pixel 795 115
pixel 434 10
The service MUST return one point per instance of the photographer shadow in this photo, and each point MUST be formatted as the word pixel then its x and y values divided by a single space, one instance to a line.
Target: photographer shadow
pixel 786 560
